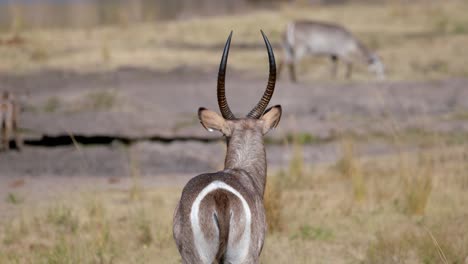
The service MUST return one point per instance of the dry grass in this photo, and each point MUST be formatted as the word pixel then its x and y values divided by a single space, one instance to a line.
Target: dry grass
pixel 410 207
pixel 415 243
pixel 106 100
pixel 415 41
pixel 396 209
pixel 273 201
pixel 417 181
pixel 317 219
pixel 94 230
pixel 349 166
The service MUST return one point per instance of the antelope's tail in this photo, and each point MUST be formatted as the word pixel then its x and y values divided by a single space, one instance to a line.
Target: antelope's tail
pixel 222 219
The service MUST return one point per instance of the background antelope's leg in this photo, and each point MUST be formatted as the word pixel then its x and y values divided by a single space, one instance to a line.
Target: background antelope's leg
pixel 334 67
pixel 18 138
pixel 2 132
pixel 280 67
pixel 349 69
pixel 292 72
pixel 6 134
pixel 299 53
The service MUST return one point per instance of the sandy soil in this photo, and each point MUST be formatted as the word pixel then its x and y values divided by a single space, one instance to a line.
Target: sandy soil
pixel 141 104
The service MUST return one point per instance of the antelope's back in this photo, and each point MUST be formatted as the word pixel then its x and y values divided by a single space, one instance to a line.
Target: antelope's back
pixel 323 38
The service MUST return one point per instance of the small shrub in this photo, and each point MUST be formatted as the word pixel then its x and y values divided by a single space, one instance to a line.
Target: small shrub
pixel 136 191
pixel 105 248
pixel 163 234
pixel 51 105
pixel 307 232
pixel 391 247
pixel 17 24
pixel 350 168
pixel 96 209
pixel 441 24
pixel 301 138
pixel 39 54
pixel 460 28
pixel 103 100
pixel 13 232
pixel 273 204
pixel 63 217
pixel 145 236
pixel 443 243
pixel 13 199
pixel 296 172
pixel 106 53
pixel 417 182
pixel 60 253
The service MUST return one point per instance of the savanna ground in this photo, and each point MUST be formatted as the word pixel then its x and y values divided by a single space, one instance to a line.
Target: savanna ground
pixel 407 203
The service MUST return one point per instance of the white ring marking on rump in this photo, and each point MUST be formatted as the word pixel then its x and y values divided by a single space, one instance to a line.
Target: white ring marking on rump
pixel 205 248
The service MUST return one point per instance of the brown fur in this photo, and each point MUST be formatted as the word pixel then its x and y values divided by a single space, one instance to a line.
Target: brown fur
pixel 219 203
pixel 245 171
pixel 227 224
pixel 240 181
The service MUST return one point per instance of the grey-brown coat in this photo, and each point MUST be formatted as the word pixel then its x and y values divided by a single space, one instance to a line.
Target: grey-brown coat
pixel 305 37
pixel 220 217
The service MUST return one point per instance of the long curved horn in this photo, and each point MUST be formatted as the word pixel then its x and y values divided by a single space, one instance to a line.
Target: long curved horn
pixel 222 102
pixel 258 110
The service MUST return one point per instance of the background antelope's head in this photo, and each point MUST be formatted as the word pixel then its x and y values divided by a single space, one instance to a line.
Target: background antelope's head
pixel 258 121
pixel 376 66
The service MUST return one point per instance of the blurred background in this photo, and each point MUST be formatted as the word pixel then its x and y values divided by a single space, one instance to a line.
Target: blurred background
pixel 360 170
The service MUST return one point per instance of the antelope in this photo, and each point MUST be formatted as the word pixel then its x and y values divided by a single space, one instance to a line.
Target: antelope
pixel 315 38
pixel 220 217
pixel 9 111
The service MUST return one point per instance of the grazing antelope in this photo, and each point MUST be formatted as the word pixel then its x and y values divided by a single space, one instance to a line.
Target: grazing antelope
pixel 314 38
pixel 220 217
pixel 9 111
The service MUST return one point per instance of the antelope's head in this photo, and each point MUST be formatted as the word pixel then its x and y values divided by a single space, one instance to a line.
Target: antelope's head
pixel 258 121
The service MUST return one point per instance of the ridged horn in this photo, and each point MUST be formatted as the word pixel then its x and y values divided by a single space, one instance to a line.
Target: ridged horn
pixel 222 102
pixel 258 110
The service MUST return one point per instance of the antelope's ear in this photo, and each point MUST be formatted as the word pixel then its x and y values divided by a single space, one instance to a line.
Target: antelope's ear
pixel 211 121
pixel 271 118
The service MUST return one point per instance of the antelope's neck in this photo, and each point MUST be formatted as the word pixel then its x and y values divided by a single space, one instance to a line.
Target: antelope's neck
pixel 247 152
pixel 364 52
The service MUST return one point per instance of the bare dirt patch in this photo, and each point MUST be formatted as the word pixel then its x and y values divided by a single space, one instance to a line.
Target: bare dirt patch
pixel 108 114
